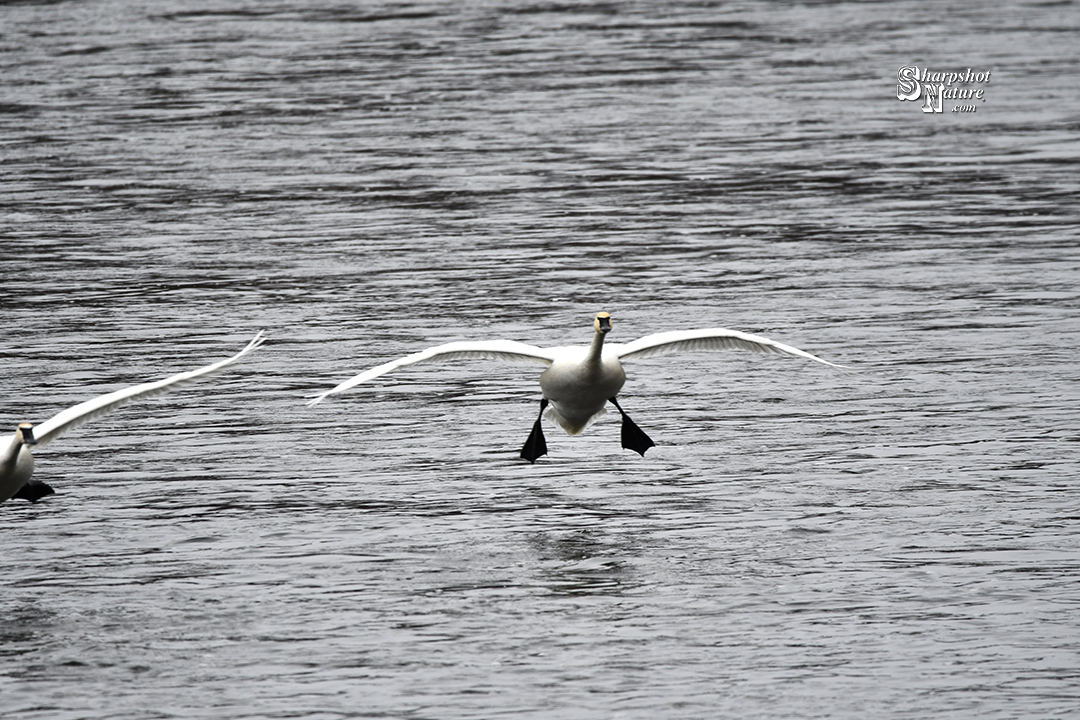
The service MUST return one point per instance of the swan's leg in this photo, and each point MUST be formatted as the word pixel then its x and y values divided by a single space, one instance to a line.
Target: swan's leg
pixel 34 491
pixel 633 437
pixel 536 446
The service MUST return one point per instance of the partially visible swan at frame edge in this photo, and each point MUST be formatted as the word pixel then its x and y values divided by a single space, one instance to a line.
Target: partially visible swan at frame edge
pixel 580 380
pixel 16 461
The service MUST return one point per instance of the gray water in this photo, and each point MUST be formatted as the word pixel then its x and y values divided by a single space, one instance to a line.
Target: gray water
pixel 367 180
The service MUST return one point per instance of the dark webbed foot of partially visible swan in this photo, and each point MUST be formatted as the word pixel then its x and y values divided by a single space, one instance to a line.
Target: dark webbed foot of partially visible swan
pixel 34 491
pixel 633 437
pixel 536 446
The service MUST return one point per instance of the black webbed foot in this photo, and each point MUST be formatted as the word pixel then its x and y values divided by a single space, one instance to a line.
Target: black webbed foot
pixel 536 445
pixel 34 491
pixel 633 437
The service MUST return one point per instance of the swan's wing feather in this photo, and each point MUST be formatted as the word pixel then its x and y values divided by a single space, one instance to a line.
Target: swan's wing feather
pixel 507 350
pixel 83 413
pixel 708 339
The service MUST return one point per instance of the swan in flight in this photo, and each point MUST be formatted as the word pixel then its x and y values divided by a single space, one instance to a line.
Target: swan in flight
pixel 580 380
pixel 16 462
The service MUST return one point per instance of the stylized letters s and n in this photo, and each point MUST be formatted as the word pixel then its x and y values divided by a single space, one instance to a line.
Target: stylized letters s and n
pixel 909 87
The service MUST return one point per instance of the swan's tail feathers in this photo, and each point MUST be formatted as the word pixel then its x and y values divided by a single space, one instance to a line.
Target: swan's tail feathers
pixel 573 427
pixel 536 445
pixel 633 437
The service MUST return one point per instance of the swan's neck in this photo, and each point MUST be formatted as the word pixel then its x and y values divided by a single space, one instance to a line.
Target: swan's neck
pixel 10 455
pixel 596 349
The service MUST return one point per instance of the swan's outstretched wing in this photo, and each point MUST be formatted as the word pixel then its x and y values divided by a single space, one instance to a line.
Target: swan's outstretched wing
pixel 83 413
pixel 483 350
pixel 709 339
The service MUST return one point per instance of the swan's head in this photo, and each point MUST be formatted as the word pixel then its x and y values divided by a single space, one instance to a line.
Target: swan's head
pixel 25 431
pixel 602 323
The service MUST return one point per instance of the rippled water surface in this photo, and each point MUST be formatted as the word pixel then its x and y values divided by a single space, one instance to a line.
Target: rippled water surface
pixel 365 180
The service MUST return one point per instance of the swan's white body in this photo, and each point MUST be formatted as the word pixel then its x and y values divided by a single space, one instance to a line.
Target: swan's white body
pixel 580 380
pixel 16 462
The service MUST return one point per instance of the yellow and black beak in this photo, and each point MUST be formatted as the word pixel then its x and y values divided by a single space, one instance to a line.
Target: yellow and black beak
pixel 27 432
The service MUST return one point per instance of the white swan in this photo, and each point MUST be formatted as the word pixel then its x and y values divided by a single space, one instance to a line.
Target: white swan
pixel 579 380
pixel 16 462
